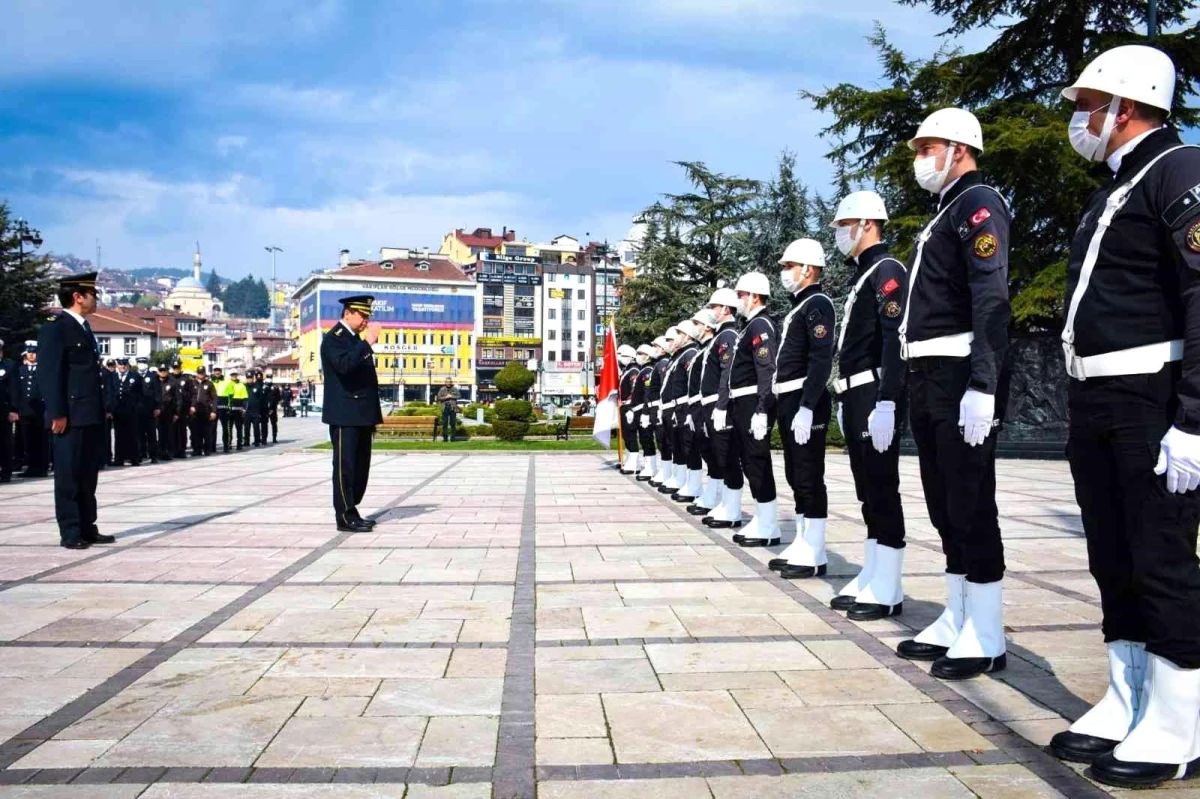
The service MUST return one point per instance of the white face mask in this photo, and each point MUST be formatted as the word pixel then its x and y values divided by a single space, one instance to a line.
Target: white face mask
pixel 744 307
pixel 1086 143
pixel 143 367
pixel 642 360
pixel 789 283
pixel 929 177
pixel 847 241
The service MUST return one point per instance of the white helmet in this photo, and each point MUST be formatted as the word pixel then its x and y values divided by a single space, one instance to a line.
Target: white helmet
pixel 860 205
pixel 689 329
pixel 660 342
pixel 705 317
pixel 807 252
pixel 754 283
pixel 626 352
pixel 646 350
pixel 953 124
pixel 1134 71
pixel 724 296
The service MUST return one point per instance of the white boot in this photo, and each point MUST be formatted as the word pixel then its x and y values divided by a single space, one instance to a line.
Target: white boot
pixel 982 634
pixel 660 472
pixel 855 587
pixel 763 529
pixel 1169 731
pixel 710 497
pixel 945 628
pixel 694 484
pixel 883 595
pixel 730 509
pixel 1122 707
pixel 806 556
pixel 672 477
pixel 794 547
pixel 650 463
pixel 630 464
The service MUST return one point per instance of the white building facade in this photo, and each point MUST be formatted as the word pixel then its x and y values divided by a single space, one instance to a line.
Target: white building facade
pixel 568 330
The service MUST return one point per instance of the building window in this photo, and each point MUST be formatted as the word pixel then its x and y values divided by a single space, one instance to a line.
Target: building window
pixel 551 314
pixel 551 334
pixel 581 336
pixel 102 343
pixel 130 347
pixel 551 356
pixel 579 357
pixel 550 277
pixel 579 294
pixel 580 315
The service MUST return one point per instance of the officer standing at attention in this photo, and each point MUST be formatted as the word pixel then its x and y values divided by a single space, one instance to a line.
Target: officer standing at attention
pixel 802 370
pixel 1132 343
pixel 9 394
pixel 218 380
pixel 666 405
pixel 32 410
pixel 304 400
pixel 643 412
pixel 871 394
pixel 109 376
pixel 351 407
pixel 256 406
pixel 625 394
pixel 722 306
pixel 699 443
pixel 239 395
pixel 182 415
pixel 125 413
pixel 749 410
pixel 150 399
pixel 685 352
pixel 69 381
pixel 274 396
pixel 168 401
pixel 661 437
pixel 954 335
pixel 203 411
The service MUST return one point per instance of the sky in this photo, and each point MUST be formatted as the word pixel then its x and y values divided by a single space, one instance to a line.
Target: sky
pixel 318 125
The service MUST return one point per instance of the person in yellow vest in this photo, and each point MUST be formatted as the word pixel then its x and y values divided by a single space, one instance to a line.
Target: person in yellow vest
pixel 238 395
pixel 224 387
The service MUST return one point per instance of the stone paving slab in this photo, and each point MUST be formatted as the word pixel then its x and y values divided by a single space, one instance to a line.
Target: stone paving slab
pixel 515 623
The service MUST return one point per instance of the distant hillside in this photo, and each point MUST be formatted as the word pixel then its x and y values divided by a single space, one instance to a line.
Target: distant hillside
pixel 151 272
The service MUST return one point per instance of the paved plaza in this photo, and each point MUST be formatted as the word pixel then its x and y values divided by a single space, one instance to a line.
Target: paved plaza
pixel 516 625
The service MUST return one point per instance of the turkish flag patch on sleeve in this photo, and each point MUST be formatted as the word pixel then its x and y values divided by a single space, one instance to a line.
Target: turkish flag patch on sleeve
pixel 890 286
pixel 980 216
pixel 757 340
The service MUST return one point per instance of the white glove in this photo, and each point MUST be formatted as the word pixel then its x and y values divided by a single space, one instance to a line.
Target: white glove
pixel 802 425
pixel 719 420
pixel 842 427
pixel 882 424
pixel 758 426
pixel 1179 460
pixel 646 421
pixel 628 417
pixel 975 413
pixel 689 424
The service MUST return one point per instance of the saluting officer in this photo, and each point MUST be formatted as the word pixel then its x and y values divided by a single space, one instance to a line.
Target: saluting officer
pixel 677 378
pixel 32 411
pixel 722 305
pixel 625 390
pixel 661 431
pixel 699 442
pixel 1132 341
pixel 70 385
pixel 802 369
pixel 749 409
pixel 149 402
pixel 954 335
pixel 351 407
pixel 644 412
pixel 871 394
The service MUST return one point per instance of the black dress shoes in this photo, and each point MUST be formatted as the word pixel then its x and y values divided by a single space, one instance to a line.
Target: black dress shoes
pixel 99 539
pixel 843 602
pixel 775 564
pixel 869 611
pixel 663 488
pixel 720 524
pixel 1127 774
pixel 354 526
pixel 75 545
pixel 682 497
pixel 1079 748
pixel 742 541
pixel 947 668
pixel 644 479
pixel 696 510
pixel 790 572
pixel 368 522
pixel 915 650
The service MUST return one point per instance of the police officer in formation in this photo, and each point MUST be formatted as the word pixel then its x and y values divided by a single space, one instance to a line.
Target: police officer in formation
pixel 658 420
pixel 697 441
pixel 683 341
pixel 256 406
pixel 643 413
pixel 625 401
pixel 148 408
pixel 9 394
pixel 1132 344
pixel 125 412
pixel 713 359
pixel 167 409
pixel 34 442
pixel 203 411
pixel 351 407
pixel 274 396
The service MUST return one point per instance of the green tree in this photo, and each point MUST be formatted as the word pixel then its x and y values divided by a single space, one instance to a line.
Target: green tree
pixel 514 379
pixel 247 298
pixel 148 301
pixel 1012 86
pixel 213 286
pixel 25 285
pixel 163 357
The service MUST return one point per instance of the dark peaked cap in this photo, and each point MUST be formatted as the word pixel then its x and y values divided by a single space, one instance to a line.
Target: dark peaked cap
pixel 360 303
pixel 84 282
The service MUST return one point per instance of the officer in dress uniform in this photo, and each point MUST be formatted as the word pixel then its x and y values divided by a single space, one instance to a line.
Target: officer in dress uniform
pixel 273 396
pixel 1132 341
pixel 662 437
pixel 168 401
pixel 802 369
pixel 70 385
pixel 109 377
pixel 238 396
pixel 681 445
pixel 871 394
pixel 625 396
pixel 747 406
pixel 954 336
pixel 256 407
pixel 150 401
pixel 644 412
pixel 699 444
pixel 9 401
pixel 218 382
pixel 203 411
pixel 32 411
pixel 351 407
pixel 125 412
pixel 181 417
pixel 666 482
pixel 722 307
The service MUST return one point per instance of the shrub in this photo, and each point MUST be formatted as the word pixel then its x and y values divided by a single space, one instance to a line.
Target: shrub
pixel 543 429
pixel 514 410
pixel 509 430
pixel 514 379
pixel 476 430
pixel 417 410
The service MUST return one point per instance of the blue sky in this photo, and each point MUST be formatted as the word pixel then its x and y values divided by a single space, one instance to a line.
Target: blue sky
pixel 322 124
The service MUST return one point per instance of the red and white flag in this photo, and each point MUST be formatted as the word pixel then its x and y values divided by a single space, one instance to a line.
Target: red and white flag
pixel 606 393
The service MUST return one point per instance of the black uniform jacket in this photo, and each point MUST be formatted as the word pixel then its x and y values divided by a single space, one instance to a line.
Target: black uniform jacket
pixel 871 335
pixel 806 347
pixel 625 388
pixel 351 385
pixel 715 379
pixel 1145 286
pixel 129 395
pixel 10 389
pixel 67 375
pixel 654 391
pixel 753 361
pixel 29 396
pixel 641 376
pixel 151 396
pixel 962 283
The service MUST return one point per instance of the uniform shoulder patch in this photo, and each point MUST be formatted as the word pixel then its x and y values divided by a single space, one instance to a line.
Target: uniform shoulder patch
pixel 820 331
pixel 762 353
pixel 980 216
pixel 891 310
pixel 985 245
pixel 1183 205
pixel 889 287
pixel 1193 238
pixel 337 331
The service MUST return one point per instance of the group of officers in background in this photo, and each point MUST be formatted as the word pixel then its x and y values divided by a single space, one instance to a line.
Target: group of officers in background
pixel 927 341
pixel 149 414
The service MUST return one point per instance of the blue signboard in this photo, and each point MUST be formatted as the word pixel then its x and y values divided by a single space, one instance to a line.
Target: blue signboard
pixel 394 309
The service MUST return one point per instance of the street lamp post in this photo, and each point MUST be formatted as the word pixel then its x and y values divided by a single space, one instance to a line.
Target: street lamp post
pixel 429 387
pixel 273 249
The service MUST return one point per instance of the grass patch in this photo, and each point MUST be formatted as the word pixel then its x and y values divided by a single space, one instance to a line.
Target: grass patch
pixel 573 445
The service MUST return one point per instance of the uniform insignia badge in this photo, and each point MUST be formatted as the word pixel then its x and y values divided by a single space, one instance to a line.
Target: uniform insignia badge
pixel 3 372
pixel 725 357
pixel 762 352
pixel 1193 237
pixel 820 331
pixel 891 310
pixel 980 216
pixel 985 245
pixel 337 331
pixel 756 341
pixel 890 286
pixel 964 230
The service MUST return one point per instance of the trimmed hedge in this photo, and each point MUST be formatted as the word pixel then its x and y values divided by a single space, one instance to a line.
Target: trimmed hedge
pixel 507 430
pixel 515 410
pixel 476 430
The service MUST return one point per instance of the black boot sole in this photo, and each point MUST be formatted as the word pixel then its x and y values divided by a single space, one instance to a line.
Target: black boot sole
pixel 1121 774
pixel 720 524
pixel 696 510
pixel 682 498
pixel 862 611
pixel 758 542
pixel 843 602
pixel 955 669
pixel 922 652
pixel 777 564
pixel 641 479
pixel 802 572
pixel 1078 748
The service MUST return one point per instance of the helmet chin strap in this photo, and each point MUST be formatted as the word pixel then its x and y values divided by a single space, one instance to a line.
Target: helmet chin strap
pixel 1110 121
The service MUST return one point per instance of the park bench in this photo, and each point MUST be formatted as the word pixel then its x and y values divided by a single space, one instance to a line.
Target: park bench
pixel 576 423
pixel 407 427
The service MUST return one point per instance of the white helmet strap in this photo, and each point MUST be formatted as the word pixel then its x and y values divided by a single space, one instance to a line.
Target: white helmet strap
pixel 1110 121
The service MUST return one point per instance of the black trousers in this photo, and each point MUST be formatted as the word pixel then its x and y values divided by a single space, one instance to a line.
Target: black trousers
pixel 108 440
pixel 240 426
pixel 125 432
pixel 805 464
pixel 351 468
pixel 701 443
pixel 223 417
pixel 876 474
pixel 304 409
pixel 959 480
pixel 1141 538
pixel 166 436
pixel 210 438
pixel 77 456
pixel 629 430
pixel 664 434
pixel 718 460
pixel 179 435
pixel 200 428
pixel 449 417
pixel 753 457
pixel 6 446
pixel 255 424
pixel 35 443
pixel 645 435
pixel 273 418
pixel 681 445
pixel 147 435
